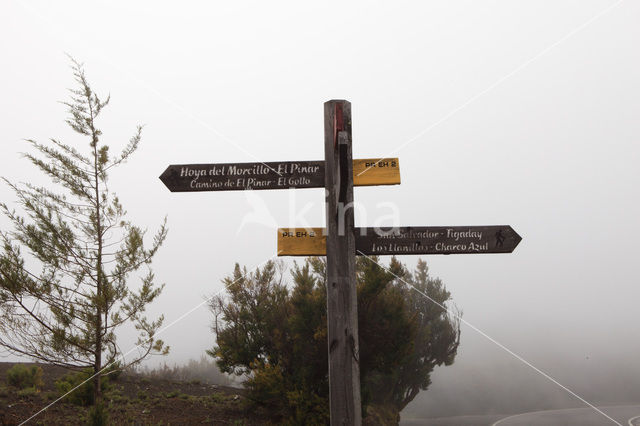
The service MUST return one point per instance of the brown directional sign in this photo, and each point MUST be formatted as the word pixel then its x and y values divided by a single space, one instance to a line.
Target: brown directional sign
pixel 405 240
pixel 273 175
pixel 437 240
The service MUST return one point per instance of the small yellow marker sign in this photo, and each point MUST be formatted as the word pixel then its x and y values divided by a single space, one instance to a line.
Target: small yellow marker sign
pixel 302 242
pixel 376 171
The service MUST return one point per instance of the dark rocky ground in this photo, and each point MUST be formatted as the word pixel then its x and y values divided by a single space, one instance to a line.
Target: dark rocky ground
pixel 132 400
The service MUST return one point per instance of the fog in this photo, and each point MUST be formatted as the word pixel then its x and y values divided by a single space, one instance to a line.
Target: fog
pixel 501 113
pixel 486 382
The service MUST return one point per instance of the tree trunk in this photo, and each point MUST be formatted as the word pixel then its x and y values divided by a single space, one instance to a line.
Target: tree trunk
pixel 97 392
pixel 97 366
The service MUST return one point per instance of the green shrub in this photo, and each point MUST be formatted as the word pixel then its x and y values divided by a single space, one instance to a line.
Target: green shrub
pixel 83 395
pixel 98 416
pixel 118 398
pixel 216 397
pixel 22 377
pixel 4 392
pixel 27 391
pixel 113 394
pixel 113 371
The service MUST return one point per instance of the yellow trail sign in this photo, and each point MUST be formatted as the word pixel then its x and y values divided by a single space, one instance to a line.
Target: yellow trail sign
pixel 302 242
pixel 376 171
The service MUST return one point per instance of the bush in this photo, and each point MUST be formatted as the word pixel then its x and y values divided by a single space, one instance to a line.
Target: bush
pixel 27 391
pixel 216 398
pixel 113 371
pixel 98 416
pixel 275 335
pixel 22 377
pixel 116 397
pixel 83 395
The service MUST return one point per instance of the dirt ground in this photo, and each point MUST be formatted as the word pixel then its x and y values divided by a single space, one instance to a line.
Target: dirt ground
pixel 132 400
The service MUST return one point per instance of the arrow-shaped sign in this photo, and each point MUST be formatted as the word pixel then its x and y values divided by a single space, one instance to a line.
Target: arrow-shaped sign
pixel 273 175
pixel 405 240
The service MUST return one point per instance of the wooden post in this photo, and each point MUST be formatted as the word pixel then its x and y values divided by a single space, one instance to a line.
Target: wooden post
pixel 342 308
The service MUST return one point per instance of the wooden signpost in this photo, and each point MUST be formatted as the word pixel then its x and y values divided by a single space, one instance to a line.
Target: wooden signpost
pixel 341 241
pixel 342 305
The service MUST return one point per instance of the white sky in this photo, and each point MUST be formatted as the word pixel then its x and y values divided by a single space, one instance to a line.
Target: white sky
pixel 524 116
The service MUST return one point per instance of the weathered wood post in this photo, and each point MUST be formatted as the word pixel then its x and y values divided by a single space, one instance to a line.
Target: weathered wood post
pixel 342 314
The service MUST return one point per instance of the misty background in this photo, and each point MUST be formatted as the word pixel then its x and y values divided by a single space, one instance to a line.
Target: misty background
pixel 515 113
